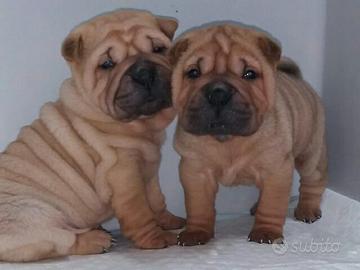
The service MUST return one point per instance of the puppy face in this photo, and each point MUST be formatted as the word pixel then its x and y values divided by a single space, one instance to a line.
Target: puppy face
pixel 118 62
pixel 223 81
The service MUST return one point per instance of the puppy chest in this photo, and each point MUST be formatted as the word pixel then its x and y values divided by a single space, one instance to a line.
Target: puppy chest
pixel 232 176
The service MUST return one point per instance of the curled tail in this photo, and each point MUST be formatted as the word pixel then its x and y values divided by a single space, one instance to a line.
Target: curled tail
pixel 289 67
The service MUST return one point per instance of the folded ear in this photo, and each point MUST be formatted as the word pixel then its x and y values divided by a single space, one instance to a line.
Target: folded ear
pixel 177 50
pixel 270 49
pixel 168 26
pixel 72 47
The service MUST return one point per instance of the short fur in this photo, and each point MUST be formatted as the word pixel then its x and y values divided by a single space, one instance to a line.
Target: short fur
pixel 77 165
pixel 289 132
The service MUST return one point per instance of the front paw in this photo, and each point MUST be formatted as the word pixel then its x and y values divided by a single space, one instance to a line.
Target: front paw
pixel 265 236
pixel 307 214
pixel 158 241
pixel 192 238
pixel 168 221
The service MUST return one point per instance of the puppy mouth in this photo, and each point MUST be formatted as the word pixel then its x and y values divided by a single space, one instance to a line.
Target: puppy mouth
pixel 219 110
pixel 152 106
pixel 144 90
pixel 224 127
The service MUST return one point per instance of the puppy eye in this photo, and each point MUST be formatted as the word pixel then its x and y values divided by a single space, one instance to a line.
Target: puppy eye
pixel 193 73
pixel 108 64
pixel 159 49
pixel 249 74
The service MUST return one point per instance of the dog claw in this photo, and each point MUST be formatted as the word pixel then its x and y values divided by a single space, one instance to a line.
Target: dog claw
pixel 113 242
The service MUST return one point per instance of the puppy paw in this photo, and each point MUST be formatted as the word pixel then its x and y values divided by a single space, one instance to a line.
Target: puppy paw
pixel 158 241
pixel 307 214
pixel 168 221
pixel 92 242
pixel 193 238
pixel 263 236
pixel 171 238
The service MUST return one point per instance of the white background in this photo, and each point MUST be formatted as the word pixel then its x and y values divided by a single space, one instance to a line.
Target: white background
pixel 31 68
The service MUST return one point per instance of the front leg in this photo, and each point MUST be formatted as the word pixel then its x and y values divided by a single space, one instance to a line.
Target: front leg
pixel 132 209
pixel 273 206
pixel 164 218
pixel 200 192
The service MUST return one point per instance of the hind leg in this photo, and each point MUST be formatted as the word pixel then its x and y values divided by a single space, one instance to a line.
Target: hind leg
pixel 313 172
pixel 31 230
pixel 91 242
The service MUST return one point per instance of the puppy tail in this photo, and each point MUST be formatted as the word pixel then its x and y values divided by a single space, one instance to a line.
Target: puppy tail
pixel 289 67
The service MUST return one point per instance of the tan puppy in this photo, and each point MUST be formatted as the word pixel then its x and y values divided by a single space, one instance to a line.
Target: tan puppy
pixel 245 118
pixel 95 152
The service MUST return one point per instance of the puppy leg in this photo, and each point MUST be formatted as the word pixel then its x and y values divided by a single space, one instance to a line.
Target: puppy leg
pixel 165 219
pixel 200 193
pixel 92 242
pixel 31 252
pixel 43 247
pixel 31 230
pixel 313 173
pixel 132 208
pixel 254 208
pixel 273 205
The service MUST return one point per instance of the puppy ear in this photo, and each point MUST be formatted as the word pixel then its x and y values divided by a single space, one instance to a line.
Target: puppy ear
pixel 270 49
pixel 72 48
pixel 177 50
pixel 168 26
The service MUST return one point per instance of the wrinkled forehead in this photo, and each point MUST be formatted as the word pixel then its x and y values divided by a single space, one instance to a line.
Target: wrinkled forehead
pixel 129 30
pixel 223 49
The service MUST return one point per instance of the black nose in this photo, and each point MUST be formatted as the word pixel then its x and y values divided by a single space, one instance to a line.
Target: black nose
pixel 218 94
pixel 143 73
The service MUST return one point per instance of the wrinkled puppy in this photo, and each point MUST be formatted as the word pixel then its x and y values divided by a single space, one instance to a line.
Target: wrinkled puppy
pixel 245 117
pixel 95 152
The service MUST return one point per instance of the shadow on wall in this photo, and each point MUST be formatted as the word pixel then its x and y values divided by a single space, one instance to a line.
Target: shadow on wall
pixel 341 95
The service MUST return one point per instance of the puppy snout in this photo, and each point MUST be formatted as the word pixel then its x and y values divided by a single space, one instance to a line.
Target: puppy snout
pixel 143 72
pixel 218 94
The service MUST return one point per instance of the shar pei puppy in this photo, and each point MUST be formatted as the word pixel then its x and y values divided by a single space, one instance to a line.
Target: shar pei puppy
pixel 246 116
pixel 95 152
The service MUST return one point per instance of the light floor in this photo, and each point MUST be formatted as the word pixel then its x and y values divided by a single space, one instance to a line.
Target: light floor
pixel 330 243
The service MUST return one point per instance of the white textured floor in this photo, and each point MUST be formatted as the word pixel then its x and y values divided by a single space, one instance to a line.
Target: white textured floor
pixel 330 243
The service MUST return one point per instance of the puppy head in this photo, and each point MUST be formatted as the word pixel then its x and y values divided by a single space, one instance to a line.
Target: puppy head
pixel 119 63
pixel 223 80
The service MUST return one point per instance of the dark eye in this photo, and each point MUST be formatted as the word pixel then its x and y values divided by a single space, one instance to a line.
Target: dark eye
pixel 159 49
pixel 108 64
pixel 249 74
pixel 193 73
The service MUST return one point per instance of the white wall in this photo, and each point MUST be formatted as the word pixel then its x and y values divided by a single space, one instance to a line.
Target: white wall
pixel 32 69
pixel 341 94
